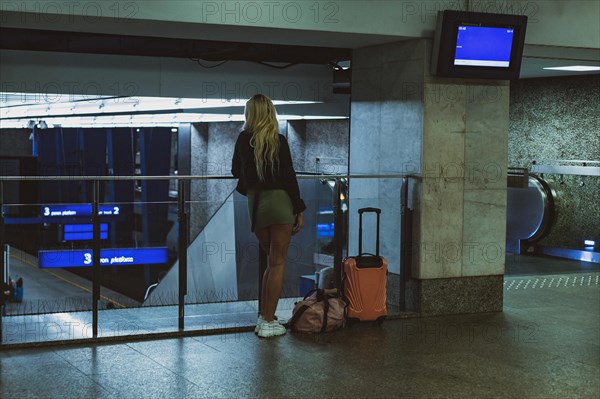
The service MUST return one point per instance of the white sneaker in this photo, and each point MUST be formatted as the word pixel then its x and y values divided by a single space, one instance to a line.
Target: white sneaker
pixel 270 329
pixel 259 322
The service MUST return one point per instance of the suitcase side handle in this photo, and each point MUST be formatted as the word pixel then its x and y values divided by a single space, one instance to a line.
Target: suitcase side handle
pixel 360 215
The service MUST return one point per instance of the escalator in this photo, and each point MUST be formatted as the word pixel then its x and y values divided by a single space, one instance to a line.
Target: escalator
pixel 532 208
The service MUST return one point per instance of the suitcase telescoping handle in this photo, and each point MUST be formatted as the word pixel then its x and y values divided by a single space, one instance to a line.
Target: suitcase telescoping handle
pixel 360 215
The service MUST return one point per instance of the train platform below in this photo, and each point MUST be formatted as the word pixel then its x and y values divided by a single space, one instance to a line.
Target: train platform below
pixel 545 344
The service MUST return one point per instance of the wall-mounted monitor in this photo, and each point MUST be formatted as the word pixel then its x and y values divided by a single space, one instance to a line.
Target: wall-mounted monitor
pixel 478 45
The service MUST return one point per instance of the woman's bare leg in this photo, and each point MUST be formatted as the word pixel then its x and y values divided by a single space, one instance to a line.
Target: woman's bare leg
pixel 280 237
pixel 264 239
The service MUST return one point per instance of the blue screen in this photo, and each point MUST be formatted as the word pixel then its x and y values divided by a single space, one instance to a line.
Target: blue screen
pixel 108 257
pixel 76 232
pixel 325 230
pixel 75 210
pixel 483 46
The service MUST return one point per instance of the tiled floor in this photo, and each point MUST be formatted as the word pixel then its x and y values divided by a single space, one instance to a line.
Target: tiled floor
pixel 532 265
pixel 28 329
pixel 546 344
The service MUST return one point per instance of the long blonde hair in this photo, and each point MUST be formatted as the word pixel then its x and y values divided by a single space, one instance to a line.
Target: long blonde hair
pixel 261 121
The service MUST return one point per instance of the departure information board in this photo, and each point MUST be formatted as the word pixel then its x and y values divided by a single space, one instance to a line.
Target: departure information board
pixel 483 46
pixel 77 210
pixel 108 257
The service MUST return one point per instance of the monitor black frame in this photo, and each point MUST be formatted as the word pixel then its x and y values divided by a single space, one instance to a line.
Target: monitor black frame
pixel 444 45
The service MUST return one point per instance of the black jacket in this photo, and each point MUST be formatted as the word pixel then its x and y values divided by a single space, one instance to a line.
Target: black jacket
pixel 244 168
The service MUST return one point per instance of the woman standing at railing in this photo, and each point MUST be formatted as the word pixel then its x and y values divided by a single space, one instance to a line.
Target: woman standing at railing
pixel 263 164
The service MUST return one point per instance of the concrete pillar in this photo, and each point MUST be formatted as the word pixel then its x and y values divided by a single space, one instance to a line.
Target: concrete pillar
pixel 452 133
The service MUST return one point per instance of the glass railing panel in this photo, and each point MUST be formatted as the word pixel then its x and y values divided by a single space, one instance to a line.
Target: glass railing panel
pixel 312 252
pixel 136 258
pixel 331 212
pixel 222 286
pixel 49 297
pixel 223 260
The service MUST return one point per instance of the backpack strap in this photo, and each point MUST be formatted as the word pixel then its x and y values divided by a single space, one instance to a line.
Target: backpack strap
pixel 297 315
pixel 321 297
pixel 309 293
pixel 325 311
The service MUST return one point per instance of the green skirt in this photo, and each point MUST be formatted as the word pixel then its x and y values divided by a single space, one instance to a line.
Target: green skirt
pixel 273 207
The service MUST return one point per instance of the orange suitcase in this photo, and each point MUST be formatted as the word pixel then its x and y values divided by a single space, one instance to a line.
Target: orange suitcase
pixel 364 280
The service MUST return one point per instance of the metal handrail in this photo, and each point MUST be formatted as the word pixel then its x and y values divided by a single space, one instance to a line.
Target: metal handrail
pixel 191 177
pixel 535 161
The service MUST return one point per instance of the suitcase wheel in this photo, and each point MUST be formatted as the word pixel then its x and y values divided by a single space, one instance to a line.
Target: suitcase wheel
pixel 380 320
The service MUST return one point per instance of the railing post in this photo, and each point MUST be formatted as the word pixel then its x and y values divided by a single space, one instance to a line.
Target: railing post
pixel 405 242
pixel 338 234
pixel 182 218
pixel 95 256
pixel 6 257
pixel 3 263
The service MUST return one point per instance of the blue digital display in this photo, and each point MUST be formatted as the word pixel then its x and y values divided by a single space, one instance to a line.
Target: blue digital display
pixel 108 257
pixel 325 230
pixel 58 211
pixel 82 228
pixel 483 46
pixel 78 232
